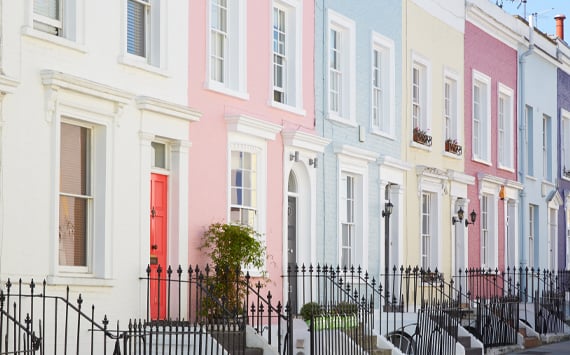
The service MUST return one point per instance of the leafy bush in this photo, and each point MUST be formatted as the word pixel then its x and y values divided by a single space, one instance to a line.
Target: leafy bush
pixel 311 309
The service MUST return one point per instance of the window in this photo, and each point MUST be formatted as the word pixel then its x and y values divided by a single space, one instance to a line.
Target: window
pixel 485 242
pixel 341 59
pixel 143 30
pixel 48 16
pixel 505 127
pixel 227 45
pixel 552 238
pixel 529 140
pixel 421 119
pixel 347 220
pixel 531 232
pixel 286 51
pixel 565 144
pixel 56 18
pixel 428 241
pixel 450 107
pixel 75 197
pixel 243 208
pixel 481 117
pixel 546 149
pixel 382 84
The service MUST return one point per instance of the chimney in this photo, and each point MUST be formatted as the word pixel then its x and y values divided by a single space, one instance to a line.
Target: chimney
pixel 560 26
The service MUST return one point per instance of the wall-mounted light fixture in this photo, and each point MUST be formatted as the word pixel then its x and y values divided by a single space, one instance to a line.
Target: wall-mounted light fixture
pixel 388 208
pixel 461 215
pixel 313 161
pixel 295 156
pixel 502 192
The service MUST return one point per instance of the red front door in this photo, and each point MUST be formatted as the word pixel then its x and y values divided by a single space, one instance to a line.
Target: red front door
pixel 158 245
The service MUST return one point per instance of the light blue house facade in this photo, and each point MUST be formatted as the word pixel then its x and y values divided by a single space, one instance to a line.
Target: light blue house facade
pixel 358 107
pixel 538 167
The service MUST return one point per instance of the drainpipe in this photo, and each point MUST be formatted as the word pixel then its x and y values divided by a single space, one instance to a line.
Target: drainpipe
pixel 523 138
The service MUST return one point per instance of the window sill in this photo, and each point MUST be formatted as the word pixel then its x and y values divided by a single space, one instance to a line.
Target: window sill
pixel 60 41
pixel 135 62
pixel 288 108
pixel 506 168
pixel 481 161
pixel 420 146
pixel 451 155
pixel 564 177
pixel 79 280
pixel 343 121
pixel 219 88
pixel 530 177
pixel 383 134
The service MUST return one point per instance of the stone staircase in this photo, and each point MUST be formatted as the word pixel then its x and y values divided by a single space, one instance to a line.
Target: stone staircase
pixel 529 341
pixel 367 342
pixel 469 349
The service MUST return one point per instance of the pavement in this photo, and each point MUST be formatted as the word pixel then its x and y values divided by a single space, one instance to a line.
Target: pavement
pixel 560 348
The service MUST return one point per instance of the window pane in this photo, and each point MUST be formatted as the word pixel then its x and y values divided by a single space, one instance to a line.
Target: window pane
pixel 159 155
pixel 48 8
pixel 136 28
pixel 74 159
pixel 73 231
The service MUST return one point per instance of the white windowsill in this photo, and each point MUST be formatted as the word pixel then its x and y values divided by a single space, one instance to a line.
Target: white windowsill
pixel 60 41
pixel 383 134
pixel 420 146
pixel 293 109
pixel 139 63
pixel 451 155
pixel 343 121
pixel 217 87
pixel 481 161
pixel 70 279
pixel 506 168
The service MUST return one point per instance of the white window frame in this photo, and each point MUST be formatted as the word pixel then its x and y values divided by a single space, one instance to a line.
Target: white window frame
pixel 481 119
pixel 354 162
pixel 348 207
pixel 345 110
pixel 529 139
pixel 451 105
pixel 565 144
pixel 251 191
pixel 71 23
pixel 88 198
pixel 552 243
pixel 382 121
pixel 154 58
pixel 251 135
pixel 423 118
pixel 429 255
pixel 96 227
pixel 505 124
pixel 234 70
pixel 531 237
pixel 546 147
pixel 293 88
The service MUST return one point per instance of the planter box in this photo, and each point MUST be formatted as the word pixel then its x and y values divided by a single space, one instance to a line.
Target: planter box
pixel 334 322
pixel 422 138
pixel 453 148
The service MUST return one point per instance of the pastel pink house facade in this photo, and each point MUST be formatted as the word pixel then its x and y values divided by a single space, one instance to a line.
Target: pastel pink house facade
pixel 490 147
pixel 243 117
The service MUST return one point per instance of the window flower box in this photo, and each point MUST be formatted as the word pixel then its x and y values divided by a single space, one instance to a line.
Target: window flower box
pixel 420 136
pixel 453 147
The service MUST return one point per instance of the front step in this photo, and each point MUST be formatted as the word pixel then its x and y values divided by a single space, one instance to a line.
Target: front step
pixel 529 341
pixel 366 342
pixel 466 342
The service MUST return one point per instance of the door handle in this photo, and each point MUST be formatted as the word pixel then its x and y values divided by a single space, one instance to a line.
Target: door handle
pixel 290 251
pixel 154 247
pixel 153 212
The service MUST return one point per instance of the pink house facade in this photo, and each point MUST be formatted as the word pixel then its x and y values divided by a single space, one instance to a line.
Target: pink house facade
pixel 254 155
pixel 491 138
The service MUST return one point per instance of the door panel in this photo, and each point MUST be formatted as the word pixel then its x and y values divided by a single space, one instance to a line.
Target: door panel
pixel 292 250
pixel 158 245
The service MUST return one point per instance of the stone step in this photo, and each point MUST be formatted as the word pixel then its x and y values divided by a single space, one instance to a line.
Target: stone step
pixel 473 351
pixel 465 341
pixel 253 351
pixel 531 342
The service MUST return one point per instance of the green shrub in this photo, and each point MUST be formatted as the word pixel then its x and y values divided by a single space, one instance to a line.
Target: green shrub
pixel 311 309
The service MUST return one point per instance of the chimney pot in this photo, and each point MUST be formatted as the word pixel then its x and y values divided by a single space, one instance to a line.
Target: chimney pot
pixel 560 26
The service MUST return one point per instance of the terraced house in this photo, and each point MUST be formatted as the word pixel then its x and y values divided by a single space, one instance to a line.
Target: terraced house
pixel 404 165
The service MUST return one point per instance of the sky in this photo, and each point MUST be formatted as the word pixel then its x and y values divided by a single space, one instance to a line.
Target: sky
pixel 545 11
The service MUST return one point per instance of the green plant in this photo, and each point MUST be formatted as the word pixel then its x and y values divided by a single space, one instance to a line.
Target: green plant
pixel 230 247
pixel 311 309
pixel 346 308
